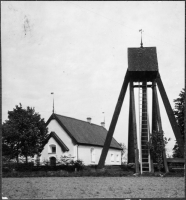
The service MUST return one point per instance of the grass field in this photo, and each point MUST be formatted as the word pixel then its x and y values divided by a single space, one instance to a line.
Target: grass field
pixel 93 187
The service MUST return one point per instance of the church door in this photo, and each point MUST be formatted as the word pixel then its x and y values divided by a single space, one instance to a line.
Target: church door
pixel 53 161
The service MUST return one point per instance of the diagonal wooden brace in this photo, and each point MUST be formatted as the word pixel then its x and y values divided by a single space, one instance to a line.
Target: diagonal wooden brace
pixel 170 114
pixel 113 122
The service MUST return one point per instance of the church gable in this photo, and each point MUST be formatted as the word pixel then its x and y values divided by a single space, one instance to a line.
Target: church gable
pixel 54 126
pixel 57 140
pixel 67 144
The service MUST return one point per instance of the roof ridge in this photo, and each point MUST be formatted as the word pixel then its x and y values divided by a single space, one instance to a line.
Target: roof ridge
pixel 80 120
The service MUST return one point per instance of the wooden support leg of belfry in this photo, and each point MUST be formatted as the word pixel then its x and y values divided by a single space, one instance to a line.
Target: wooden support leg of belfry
pixel 170 114
pixel 154 116
pixel 159 124
pixel 113 122
pixel 133 152
pixel 154 109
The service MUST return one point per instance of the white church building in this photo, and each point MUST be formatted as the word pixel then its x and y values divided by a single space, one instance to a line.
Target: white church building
pixel 78 139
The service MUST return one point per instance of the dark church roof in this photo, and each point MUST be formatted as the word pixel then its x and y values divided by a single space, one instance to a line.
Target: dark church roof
pixel 83 132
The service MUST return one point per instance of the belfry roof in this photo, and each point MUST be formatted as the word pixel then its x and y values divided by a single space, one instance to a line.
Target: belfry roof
pixel 142 59
pixel 142 63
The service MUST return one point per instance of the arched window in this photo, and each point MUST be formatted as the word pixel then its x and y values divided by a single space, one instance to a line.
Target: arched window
pixel 92 150
pixel 117 157
pixel 112 157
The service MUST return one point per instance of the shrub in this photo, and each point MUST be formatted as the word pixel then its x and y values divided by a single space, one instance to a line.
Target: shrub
pixel 65 160
pixel 24 166
pixel 46 162
pixel 37 161
pixel 78 164
pixel 6 169
pixel 12 166
pixel 9 165
pixel 156 145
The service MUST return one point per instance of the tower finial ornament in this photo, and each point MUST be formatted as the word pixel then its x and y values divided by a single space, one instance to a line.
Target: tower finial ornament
pixel 141 37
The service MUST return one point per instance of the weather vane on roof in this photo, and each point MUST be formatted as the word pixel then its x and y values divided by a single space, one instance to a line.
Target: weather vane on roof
pixel 53 102
pixel 141 37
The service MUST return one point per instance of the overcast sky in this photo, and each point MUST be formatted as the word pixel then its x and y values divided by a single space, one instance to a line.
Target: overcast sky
pixel 78 50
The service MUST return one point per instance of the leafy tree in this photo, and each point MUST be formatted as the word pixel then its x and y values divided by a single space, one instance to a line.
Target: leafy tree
pixel 156 145
pixel 23 134
pixel 124 149
pixel 179 115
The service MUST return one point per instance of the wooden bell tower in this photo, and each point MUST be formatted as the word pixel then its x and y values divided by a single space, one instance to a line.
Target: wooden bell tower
pixel 142 73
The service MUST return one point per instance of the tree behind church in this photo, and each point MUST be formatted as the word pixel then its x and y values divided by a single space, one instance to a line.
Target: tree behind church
pixel 23 134
pixel 179 115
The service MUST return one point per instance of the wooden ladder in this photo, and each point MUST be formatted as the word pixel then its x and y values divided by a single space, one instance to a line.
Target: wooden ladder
pixel 144 128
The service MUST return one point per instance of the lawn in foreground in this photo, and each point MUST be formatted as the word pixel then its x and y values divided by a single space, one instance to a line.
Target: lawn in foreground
pixel 93 187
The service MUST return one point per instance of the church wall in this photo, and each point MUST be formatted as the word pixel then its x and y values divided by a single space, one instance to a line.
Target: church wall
pixel 85 154
pixel 89 154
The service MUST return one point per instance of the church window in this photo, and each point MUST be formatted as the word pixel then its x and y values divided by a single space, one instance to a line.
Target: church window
pixel 112 157
pixel 92 155
pixel 117 158
pixel 52 148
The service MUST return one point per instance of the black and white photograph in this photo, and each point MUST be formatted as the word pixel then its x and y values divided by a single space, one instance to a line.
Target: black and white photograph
pixel 93 99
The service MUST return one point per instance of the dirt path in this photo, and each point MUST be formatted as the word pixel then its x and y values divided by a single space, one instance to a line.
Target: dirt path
pixel 93 187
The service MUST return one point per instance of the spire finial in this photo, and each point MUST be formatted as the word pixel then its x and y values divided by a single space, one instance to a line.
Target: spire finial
pixel 141 37
pixel 53 102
